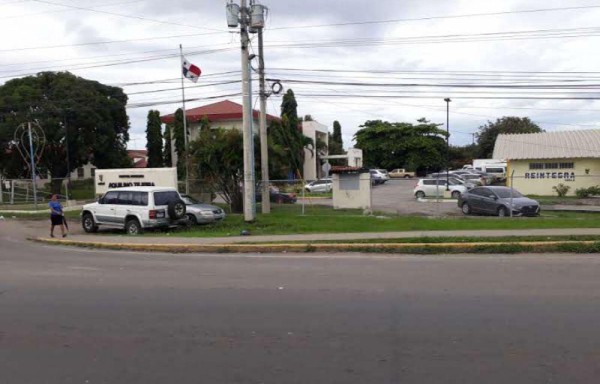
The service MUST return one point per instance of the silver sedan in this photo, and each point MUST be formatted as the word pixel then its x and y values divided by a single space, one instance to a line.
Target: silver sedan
pixel 201 213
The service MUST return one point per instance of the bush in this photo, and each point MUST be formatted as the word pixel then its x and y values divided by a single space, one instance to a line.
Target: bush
pixel 582 193
pixel 587 192
pixel 561 189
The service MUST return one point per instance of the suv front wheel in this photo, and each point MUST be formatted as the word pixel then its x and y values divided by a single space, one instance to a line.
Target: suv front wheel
pixel 88 224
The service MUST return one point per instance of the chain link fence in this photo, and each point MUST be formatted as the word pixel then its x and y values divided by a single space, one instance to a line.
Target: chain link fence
pixel 397 196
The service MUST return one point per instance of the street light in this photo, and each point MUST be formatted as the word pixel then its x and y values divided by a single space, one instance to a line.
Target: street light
pixel 447 100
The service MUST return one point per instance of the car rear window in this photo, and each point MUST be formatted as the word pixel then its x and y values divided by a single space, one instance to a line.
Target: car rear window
pixel 164 198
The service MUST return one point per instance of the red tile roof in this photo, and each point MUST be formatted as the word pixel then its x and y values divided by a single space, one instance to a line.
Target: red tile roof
pixel 141 164
pixel 137 153
pixel 223 110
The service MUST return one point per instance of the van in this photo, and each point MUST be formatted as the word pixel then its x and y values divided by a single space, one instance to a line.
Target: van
pixel 497 170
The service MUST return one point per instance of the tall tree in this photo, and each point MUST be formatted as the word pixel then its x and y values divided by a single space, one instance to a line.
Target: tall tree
pixel 178 137
pixel 420 147
pixel 336 145
pixel 154 140
pixel 218 155
pixel 90 116
pixel 287 141
pixel 486 137
pixel 167 159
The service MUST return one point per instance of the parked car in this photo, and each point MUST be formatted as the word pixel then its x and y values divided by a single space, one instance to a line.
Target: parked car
pixel 496 200
pixel 401 173
pixel 470 175
pixel 277 197
pixel 322 185
pixel 198 212
pixel 378 177
pixel 436 187
pixel 135 209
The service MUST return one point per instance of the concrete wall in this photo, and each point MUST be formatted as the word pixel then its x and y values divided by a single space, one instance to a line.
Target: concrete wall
pixel 586 173
pixel 352 191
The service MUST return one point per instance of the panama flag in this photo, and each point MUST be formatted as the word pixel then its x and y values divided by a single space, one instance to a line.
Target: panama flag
pixel 190 71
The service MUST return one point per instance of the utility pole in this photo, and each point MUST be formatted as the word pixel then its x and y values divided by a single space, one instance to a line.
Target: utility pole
pixel 264 150
pixel 250 19
pixel 249 197
pixel 447 100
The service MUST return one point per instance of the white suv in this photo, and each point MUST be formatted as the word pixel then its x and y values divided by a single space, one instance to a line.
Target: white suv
pixel 436 187
pixel 134 209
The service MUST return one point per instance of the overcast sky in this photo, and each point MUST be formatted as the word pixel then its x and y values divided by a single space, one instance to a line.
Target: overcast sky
pixel 413 53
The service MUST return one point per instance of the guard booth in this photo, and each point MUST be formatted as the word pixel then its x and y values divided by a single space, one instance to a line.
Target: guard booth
pixel 351 188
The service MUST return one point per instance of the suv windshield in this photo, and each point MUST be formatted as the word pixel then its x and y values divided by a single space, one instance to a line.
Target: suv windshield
pixel 164 198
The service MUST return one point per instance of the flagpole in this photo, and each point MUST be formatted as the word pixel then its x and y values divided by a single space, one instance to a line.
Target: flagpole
pixel 185 132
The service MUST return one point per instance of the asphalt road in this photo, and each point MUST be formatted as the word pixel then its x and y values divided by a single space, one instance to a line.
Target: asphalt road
pixel 85 316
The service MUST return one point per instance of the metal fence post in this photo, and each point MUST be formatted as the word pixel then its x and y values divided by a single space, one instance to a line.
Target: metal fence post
pixel 511 191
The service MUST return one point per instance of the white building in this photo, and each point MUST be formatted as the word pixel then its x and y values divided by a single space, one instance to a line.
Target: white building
pixel 312 164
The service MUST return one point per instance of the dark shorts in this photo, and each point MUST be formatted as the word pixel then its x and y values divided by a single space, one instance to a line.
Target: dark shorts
pixel 56 219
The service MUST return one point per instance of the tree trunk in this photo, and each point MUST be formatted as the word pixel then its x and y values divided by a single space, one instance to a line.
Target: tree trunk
pixel 56 186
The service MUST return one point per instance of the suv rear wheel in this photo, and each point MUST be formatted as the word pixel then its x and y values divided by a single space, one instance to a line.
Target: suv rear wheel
pixel 133 227
pixel 420 194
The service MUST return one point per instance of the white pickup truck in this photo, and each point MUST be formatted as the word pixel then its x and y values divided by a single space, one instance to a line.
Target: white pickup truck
pixel 401 172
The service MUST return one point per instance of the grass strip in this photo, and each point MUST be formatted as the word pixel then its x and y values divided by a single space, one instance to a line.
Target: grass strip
pixel 392 248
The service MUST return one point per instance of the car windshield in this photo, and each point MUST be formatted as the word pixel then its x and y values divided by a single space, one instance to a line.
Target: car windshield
pixel 189 200
pixel 505 193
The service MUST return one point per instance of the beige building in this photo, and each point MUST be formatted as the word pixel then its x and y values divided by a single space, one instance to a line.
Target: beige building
pixel 537 162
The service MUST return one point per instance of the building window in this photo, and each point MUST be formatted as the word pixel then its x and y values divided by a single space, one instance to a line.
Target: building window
pixel 551 165
pixel 80 173
pixel 536 165
pixel 93 172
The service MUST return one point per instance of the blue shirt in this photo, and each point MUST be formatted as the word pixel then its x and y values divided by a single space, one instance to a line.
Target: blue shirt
pixel 56 208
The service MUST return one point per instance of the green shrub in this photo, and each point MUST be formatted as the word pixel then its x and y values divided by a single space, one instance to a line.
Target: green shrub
pixel 561 189
pixel 582 193
pixel 587 192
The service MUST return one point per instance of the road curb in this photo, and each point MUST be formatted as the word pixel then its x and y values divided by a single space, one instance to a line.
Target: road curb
pixel 412 248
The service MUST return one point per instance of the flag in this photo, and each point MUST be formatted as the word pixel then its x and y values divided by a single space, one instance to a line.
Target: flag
pixel 190 71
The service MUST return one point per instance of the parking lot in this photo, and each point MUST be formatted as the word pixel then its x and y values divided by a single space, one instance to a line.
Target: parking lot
pixel 397 196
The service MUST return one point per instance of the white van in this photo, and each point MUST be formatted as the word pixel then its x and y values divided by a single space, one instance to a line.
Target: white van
pixel 497 170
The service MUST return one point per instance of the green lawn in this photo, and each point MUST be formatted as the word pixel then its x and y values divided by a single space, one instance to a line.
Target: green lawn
pixel 288 220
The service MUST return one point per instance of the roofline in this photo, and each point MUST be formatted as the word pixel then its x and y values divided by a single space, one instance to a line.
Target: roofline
pixel 194 118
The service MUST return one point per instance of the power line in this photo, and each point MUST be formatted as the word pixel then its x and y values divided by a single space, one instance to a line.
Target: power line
pixel 65 10
pixel 427 18
pixel 127 16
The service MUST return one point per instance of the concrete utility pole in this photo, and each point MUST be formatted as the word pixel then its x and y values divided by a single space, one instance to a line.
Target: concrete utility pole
pixel 264 150
pixel 249 197
pixel 447 100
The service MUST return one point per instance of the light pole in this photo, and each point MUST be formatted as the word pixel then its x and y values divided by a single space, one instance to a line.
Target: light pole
pixel 447 100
